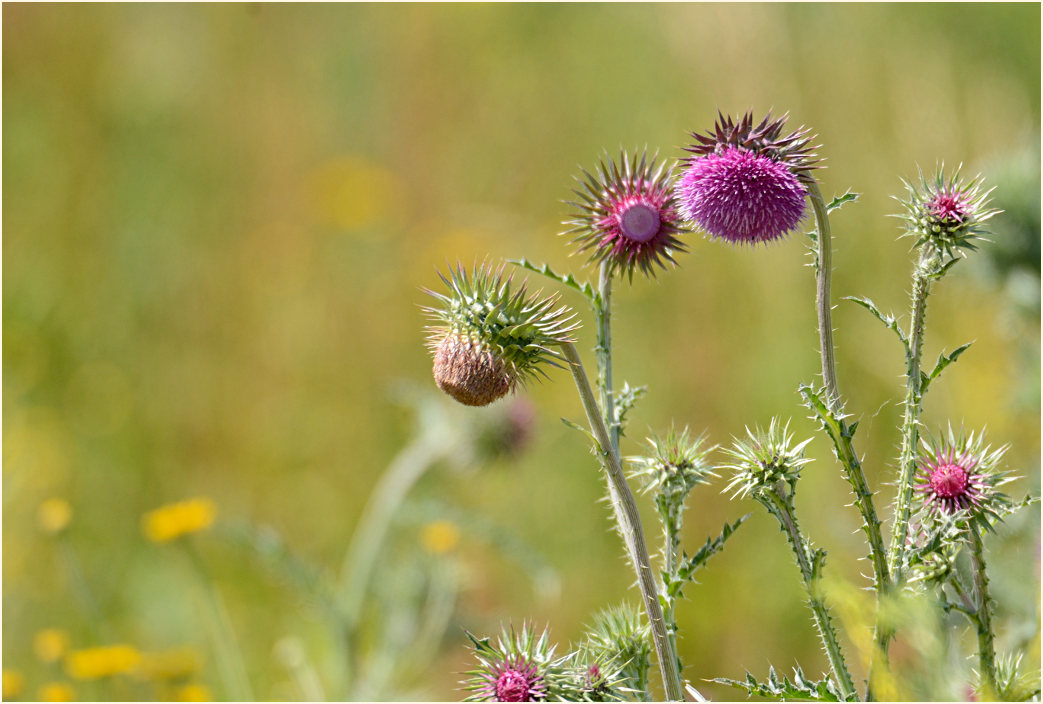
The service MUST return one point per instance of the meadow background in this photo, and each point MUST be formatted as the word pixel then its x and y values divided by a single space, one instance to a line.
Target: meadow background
pixel 217 223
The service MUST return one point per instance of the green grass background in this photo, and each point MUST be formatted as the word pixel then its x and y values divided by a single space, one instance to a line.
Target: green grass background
pixel 218 219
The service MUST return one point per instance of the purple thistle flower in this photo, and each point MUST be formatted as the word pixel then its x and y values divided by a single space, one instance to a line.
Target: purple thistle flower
pixel 746 183
pixel 946 214
pixel 627 215
pixel 958 474
pixel 515 680
pixel 741 197
pixel 518 667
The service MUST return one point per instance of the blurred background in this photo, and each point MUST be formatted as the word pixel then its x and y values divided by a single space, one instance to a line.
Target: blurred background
pixel 218 220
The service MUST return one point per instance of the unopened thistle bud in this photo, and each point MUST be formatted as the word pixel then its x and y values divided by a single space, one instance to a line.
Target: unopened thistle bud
pixel 490 336
pixel 957 475
pixel 764 459
pixel 747 184
pixel 946 214
pixel 626 215
pixel 674 465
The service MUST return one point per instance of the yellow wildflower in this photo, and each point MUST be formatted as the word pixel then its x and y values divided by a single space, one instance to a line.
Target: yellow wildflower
pixel 174 520
pixel 176 664
pixel 440 537
pixel 56 692
pixel 94 663
pixel 50 644
pixel 13 683
pixel 194 693
pixel 54 515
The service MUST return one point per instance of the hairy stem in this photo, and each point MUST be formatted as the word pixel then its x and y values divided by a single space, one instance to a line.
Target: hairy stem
pixel 986 637
pixel 823 305
pixel 778 503
pixel 910 419
pixel 629 521
pixel 671 516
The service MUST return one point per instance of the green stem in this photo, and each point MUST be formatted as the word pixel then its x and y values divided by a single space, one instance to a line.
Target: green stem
pixel 672 519
pixel 910 419
pixel 629 521
pixel 986 637
pixel 226 647
pixel 778 503
pixel 603 316
pixel 823 305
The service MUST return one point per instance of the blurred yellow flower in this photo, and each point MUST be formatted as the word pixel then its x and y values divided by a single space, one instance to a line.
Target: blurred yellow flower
pixel 54 515
pixel 94 663
pixel 194 693
pixel 56 692
pixel 352 193
pixel 174 520
pixel 13 683
pixel 50 644
pixel 175 664
pixel 440 537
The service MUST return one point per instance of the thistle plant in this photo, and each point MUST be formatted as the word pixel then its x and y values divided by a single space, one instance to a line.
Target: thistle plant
pixel 744 182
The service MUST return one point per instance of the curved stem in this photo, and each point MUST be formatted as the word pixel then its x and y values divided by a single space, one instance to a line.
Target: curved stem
pixel 629 520
pixel 823 277
pixel 910 419
pixel 603 317
pixel 783 511
pixel 986 638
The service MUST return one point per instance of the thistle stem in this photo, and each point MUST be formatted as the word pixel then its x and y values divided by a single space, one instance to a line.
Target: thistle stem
pixel 629 520
pixel 986 637
pixel 778 503
pixel 823 278
pixel 910 419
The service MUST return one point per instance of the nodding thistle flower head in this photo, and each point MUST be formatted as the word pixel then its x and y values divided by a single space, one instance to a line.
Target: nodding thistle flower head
pixel 946 214
pixel 957 475
pixel 626 215
pixel 763 459
pixel 520 668
pixel 490 335
pixel 674 465
pixel 746 184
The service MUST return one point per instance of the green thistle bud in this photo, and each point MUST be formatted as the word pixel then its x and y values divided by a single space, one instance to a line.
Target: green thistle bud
pixel 490 336
pixel 945 214
pixel 674 465
pixel 763 460
pixel 620 635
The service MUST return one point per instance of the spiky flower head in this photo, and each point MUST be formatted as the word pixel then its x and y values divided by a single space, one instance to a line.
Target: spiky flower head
pixel 620 635
pixel 946 214
pixel 747 184
pixel 521 667
pixel 490 335
pixel 1014 683
pixel 957 475
pixel 674 465
pixel 764 459
pixel 625 215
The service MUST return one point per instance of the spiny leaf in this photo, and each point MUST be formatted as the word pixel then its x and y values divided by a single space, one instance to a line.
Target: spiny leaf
pixel 838 201
pixel 567 279
pixel 944 360
pixel 625 400
pixel 889 321
pixel 711 548
pixel 799 688
pixel 580 428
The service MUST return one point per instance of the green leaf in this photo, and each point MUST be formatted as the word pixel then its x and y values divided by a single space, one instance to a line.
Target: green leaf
pixel 944 360
pixel 889 321
pixel 576 426
pixel 838 201
pixel 784 689
pixel 567 279
pixel 625 400
pixel 708 550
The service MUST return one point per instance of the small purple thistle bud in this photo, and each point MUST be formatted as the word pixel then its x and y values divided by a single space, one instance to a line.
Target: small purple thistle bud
pixel 950 206
pixel 958 474
pixel 519 682
pixel 741 197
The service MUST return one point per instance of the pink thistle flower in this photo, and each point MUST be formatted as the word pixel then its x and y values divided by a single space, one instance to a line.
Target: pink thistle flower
pixel 946 214
pixel 627 215
pixel 518 667
pixel 959 474
pixel 741 197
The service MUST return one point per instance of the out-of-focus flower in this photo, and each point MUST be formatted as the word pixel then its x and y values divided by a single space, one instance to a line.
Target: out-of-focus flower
pixel 746 184
pixel 172 521
pixel 626 215
pixel 765 458
pixel 53 515
pixel 13 683
pixel 352 193
pixel 520 668
pixel 176 664
pixel 104 661
pixel 50 644
pixel 56 692
pixel 506 433
pixel 946 214
pixel 489 336
pixel 440 537
pixel 194 692
pixel 958 474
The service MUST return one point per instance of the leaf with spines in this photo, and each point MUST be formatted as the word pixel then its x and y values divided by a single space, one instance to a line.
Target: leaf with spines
pixel 889 321
pixel 849 196
pixel 689 565
pixel 784 689
pixel 627 397
pixel 944 360
pixel 569 280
